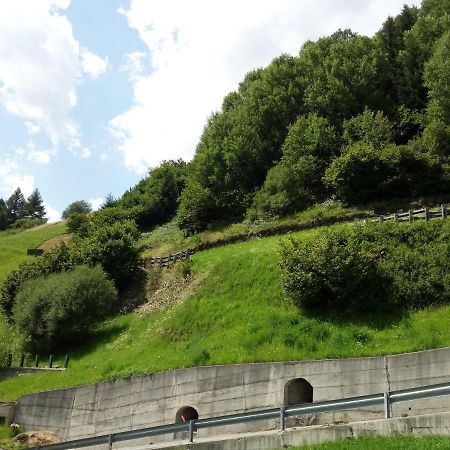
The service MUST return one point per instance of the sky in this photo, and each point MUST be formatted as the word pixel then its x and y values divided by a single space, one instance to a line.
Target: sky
pixel 93 93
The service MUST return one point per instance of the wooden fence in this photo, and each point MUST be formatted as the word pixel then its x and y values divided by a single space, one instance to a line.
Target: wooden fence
pixel 166 261
pixel 408 216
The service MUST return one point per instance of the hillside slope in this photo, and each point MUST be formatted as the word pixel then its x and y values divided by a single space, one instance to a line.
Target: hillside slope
pixel 234 311
pixel 13 246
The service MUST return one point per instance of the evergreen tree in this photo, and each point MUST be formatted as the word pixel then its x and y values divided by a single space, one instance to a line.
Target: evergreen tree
pixel 16 206
pixel 3 215
pixel 35 208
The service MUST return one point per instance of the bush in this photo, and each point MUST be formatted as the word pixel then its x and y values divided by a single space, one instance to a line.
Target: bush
pixel 8 341
pixel 62 308
pixel 378 266
pixel 332 271
pixel 25 224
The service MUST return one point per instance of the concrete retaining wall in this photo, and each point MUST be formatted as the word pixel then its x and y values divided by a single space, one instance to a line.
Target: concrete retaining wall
pixel 6 413
pixel 152 400
pixel 438 424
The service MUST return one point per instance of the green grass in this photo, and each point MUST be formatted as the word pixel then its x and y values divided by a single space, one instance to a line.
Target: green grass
pixel 236 314
pixel 168 238
pixel 13 245
pixel 397 442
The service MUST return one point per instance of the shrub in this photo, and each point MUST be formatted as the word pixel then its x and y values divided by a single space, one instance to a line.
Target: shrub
pixel 77 223
pixel 376 266
pixel 8 341
pixel 62 308
pixel 335 270
pixel 27 223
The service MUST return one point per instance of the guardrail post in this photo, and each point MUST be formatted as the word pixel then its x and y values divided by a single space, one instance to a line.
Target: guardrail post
pixel 387 407
pixel 191 431
pixel 50 361
pixel 36 361
pixel 282 419
pixel 427 214
pixel 66 361
pixel 396 217
pixel 110 441
pixel 444 211
pixel 22 360
pixel 410 216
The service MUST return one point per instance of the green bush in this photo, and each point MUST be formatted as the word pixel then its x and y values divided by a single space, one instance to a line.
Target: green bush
pixel 27 223
pixel 335 271
pixel 62 308
pixel 367 267
pixel 8 340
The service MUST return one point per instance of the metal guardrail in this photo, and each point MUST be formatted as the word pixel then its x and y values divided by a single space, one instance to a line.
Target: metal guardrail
pixel 384 398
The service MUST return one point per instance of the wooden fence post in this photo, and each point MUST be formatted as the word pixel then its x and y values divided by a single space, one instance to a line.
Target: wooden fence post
pixel 427 214
pixel 410 216
pixel 444 212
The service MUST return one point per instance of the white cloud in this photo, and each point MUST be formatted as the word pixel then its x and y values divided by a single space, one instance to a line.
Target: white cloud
pixel 85 152
pixel 96 203
pixel 40 156
pixel 12 177
pixel 93 64
pixel 201 50
pixel 41 64
pixel 53 214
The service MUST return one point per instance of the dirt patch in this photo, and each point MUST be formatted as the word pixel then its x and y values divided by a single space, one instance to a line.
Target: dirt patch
pixel 54 242
pixel 37 438
pixel 171 289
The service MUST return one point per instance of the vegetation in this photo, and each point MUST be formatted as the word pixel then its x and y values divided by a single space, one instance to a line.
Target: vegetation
pixel 77 207
pixel 19 212
pixel 63 307
pixel 377 267
pixel 236 302
pixel 397 442
pixel 14 244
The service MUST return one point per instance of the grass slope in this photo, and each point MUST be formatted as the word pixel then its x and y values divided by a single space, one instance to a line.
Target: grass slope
pixel 237 314
pixel 398 442
pixel 13 245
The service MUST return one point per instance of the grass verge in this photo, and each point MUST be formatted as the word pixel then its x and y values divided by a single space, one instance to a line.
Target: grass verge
pixel 397 442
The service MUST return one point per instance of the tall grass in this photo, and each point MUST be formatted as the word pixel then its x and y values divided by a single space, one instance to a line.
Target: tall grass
pixel 237 313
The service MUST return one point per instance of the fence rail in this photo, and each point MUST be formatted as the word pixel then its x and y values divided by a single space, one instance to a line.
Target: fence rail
pixel 383 398
pixel 410 216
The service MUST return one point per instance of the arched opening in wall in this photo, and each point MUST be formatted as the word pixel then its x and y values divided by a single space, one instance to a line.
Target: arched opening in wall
pixel 185 414
pixel 297 391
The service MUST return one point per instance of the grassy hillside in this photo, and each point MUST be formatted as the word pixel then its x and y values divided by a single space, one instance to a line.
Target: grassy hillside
pixel 235 313
pixel 384 443
pixel 13 245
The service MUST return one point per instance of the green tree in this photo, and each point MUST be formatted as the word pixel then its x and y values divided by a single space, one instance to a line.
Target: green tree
pixel 155 198
pixel 369 127
pixel 35 208
pixel 80 206
pixel 341 76
pixel 16 206
pixel 3 215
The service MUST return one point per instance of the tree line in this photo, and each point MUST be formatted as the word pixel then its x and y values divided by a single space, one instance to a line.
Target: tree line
pixel 353 118
pixel 18 211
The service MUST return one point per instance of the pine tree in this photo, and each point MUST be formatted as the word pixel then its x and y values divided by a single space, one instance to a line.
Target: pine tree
pixel 16 206
pixel 3 215
pixel 35 208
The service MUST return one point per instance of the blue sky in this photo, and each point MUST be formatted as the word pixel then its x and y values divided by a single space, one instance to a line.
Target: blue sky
pixel 94 92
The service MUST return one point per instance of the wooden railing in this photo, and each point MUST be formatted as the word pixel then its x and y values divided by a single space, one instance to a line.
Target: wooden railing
pixel 408 216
